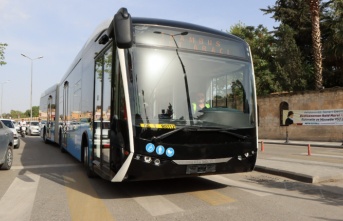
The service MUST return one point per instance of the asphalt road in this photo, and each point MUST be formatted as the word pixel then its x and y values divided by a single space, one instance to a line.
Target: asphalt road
pixel 45 184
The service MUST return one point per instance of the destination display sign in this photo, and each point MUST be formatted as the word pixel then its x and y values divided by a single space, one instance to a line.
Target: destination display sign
pixel 192 41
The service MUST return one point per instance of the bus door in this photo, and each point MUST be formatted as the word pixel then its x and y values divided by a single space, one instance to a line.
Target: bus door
pixel 65 109
pixel 49 120
pixel 102 111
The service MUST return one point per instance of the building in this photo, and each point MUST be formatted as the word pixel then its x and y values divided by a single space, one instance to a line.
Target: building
pixel 272 110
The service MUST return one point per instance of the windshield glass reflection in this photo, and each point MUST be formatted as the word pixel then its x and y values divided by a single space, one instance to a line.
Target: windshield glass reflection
pixel 219 88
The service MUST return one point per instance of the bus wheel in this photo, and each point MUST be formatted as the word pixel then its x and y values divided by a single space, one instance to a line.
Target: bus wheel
pixel 89 172
pixel 44 136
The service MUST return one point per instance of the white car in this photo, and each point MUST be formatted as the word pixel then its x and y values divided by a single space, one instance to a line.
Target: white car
pixel 33 128
pixel 9 123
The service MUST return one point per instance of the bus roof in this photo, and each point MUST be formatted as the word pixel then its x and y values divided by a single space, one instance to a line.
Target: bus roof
pixel 49 90
pixel 183 25
pixel 145 21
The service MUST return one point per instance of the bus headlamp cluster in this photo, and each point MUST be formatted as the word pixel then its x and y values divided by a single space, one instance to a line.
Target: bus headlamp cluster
pixel 148 159
pixel 245 155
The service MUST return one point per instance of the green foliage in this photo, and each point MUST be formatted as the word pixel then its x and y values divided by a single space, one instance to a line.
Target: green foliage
pixel 263 51
pixel 332 34
pixel 15 114
pixel 283 58
pixel 35 111
pixel 290 65
pixel 2 53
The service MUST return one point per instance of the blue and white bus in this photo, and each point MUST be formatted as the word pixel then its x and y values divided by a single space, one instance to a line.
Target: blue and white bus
pixel 129 105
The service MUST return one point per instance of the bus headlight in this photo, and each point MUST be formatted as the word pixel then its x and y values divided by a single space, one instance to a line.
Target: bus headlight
pixel 157 162
pixel 147 159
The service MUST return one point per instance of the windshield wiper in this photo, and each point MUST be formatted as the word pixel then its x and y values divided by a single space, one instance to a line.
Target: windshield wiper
pixel 161 137
pixel 196 128
pixel 184 71
pixel 224 130
pixel 243 137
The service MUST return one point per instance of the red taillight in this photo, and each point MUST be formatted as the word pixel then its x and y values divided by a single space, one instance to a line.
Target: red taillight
pixel 126 153
pixel 106 146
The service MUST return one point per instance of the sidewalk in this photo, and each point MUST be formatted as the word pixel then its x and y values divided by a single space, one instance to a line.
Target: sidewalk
pixel 306 161
pixel 312 143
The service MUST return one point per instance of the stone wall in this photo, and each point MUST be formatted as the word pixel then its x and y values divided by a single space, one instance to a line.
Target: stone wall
pixel 269 115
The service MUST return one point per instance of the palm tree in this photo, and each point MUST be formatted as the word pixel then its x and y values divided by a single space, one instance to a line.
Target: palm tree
pixel 316 41
pixel 332 35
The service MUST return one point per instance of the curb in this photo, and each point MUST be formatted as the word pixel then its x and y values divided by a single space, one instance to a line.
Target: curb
pixel 303 144
pixel 291 175
pixel 298 176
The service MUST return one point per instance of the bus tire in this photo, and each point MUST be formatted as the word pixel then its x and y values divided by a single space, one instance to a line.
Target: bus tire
pixel 89 172
pixel 44 136
pixel 60 143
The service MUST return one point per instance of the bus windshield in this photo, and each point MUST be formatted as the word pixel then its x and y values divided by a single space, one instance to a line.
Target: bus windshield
pixel 182 78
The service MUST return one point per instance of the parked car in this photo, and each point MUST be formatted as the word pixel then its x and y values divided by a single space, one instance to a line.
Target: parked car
pixel 6 147
pixel 33 128
pixel 9 123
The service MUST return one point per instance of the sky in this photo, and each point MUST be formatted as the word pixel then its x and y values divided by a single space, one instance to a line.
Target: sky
pixel 58 29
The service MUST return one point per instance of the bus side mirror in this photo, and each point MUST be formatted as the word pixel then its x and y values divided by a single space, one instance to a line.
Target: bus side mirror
pixel 122 23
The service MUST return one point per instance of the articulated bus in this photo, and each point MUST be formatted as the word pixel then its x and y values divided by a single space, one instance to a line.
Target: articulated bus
pixel 128 108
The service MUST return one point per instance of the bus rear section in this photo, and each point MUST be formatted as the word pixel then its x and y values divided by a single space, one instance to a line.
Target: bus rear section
pixel 48 113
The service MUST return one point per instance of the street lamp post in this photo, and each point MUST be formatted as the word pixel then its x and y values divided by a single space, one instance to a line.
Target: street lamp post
pixel 31 80
pixel 2 87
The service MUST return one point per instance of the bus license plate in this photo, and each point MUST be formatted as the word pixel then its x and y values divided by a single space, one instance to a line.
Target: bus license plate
pixel 205 168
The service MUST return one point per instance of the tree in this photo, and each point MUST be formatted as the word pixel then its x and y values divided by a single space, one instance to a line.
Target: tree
pixel 332 35
pixel 295 14
pixel 27 113
pixel 316 41
pixel 16 114
pixel 262 48
pixel 35 111
pixel 2 53
pixel 291 69
pixel 323 64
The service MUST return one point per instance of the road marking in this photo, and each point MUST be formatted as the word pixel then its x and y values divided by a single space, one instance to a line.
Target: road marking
pixel 17 202
pixel 42 166
pixel 212 197
pixel 241 185
pixel 157 205
pixel 84 202
pixel 323 155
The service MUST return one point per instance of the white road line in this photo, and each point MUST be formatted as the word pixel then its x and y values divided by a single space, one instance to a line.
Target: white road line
pixel 243 186
pixel 42 166
pixel 323 155
pixel 157 205
pixel 17 202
